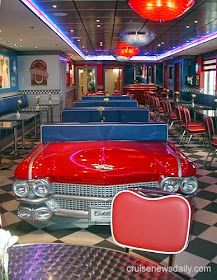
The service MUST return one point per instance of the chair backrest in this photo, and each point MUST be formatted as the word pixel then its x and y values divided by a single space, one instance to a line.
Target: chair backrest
pixel 186 117
pixel 151 223
pixel 180 111
pixel 209 127
pixel 168 107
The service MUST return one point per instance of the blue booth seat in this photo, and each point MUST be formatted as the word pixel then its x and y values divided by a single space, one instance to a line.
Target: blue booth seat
pixel 125 115
pixel 95 97
pixel 101 131
pixel 112 103
pixel 9 104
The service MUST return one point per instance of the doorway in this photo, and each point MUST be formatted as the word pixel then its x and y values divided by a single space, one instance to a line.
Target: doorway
pixel 86 81
pixel 113 80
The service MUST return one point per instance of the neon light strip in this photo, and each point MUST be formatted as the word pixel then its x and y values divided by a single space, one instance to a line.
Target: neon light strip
pixel 50 24
pixel 100 57
pixel 189 45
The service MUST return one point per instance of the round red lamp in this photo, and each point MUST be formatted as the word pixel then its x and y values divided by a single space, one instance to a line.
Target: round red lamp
pixel 124 49
pixel 161 10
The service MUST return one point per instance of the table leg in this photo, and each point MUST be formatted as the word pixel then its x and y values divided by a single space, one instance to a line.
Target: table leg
pixel 23 134
pixel 15 140
pixel 51 116
pixel 48 116
pixel 35 125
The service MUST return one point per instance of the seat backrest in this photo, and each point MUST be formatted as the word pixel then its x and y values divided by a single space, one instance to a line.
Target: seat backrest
pixel 156 224
pixel 186 117
pixel 180 111
pixel 209 127
pixel 168 107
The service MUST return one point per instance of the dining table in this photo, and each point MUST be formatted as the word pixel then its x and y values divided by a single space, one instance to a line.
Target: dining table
pixel 58 261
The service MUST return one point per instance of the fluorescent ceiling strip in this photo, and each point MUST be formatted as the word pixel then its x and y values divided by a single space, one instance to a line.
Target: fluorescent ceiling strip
pixel 50 24
pixel 100 57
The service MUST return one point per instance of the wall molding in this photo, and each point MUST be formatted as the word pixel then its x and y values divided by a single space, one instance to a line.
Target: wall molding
pixel 39 91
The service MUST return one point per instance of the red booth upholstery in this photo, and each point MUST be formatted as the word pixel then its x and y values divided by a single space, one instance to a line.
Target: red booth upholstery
pixel 145 222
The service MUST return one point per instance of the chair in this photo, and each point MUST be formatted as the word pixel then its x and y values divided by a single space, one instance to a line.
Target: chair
pixel 192 128
pixel 173 116
pixel 151 220
pixel 212 142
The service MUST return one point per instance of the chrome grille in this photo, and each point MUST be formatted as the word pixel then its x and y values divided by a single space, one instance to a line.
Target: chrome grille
pixel 80 204
pixel 95 190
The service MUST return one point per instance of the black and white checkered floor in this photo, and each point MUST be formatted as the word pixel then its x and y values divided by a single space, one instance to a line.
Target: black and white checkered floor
pixel 201 252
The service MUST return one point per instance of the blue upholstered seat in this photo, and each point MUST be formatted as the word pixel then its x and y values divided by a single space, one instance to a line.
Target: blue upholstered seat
pixel 9 104
pixel 112 103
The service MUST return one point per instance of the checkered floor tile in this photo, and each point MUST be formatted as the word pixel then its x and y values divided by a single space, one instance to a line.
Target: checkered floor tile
pixel 202 250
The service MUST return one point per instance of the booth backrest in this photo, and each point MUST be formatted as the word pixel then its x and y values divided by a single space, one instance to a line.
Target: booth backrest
pixel 9 104
pixel 95 97
pixel 201 98
pixel 112 103
pixel 85 115
pixel 110 131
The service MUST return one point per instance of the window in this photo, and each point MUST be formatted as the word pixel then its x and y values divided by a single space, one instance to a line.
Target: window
pixel 209 68
pixel 210 82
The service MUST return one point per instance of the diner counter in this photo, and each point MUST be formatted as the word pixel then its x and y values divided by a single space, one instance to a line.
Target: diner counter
pixel 138 90
pixel 66 262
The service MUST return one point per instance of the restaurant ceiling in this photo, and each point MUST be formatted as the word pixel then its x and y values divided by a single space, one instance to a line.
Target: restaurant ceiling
pixel 94 26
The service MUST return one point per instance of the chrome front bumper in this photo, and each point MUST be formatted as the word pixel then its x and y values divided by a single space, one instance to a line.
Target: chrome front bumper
pixel 73 200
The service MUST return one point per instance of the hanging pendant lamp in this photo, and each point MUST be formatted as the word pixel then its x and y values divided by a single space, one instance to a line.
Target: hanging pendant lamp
pixel 137 39
pixel 124 49
pixel 161 10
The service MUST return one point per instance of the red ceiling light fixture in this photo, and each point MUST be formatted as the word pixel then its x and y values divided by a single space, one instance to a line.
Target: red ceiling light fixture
pixel 126 50
pixel 161 10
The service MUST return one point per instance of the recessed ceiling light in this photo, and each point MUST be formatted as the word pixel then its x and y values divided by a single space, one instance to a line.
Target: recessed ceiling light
pixel 196 21
pixel 8 41
pixel 20 39
pixel 78 40
pixel 36 47
pixel 0 30
pixel 98 25
pixel 162 43
pixel 71 30
pixel 15 44
pixel 97 20
pixel 187 41
pixel 174 47
pixel 60 14
pixel 82 47
pixel 100 44
pixel 187 26
pixel 20 46
pixel 159 45
pixel 54 6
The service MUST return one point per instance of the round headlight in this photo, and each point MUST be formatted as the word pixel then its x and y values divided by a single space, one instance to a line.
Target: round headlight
pixel 41 188
pixel 21 188
pixel 170 185
pixel 189 185
pixel 24 213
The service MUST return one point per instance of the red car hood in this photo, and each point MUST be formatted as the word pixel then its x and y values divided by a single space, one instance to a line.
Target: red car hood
pixel 104 162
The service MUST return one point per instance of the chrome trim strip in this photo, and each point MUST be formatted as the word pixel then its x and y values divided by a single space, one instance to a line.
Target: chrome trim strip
pixel 72 213
pixel 178 162
pixel 32 161
pixel 88 198
pixel 33 200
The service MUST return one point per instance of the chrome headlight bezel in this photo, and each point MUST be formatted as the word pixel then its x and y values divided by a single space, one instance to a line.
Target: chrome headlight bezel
pixel 21 184
pixel 174 184
pixel 185 181
pixel 180 184
pixel 41 183
pixel 34 187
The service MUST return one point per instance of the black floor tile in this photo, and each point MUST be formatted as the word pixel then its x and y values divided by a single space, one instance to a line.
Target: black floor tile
pixel 60 233
pixel 102 231
pixel 109 245
pixel 202 248
pixel 212 207
pixel 21 228
pixel 5 197
pixel 198 228
pixel 207 195
pixel 153 256
pixel 209 275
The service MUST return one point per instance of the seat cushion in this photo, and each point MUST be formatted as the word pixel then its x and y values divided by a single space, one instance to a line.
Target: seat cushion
pixel 159 224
